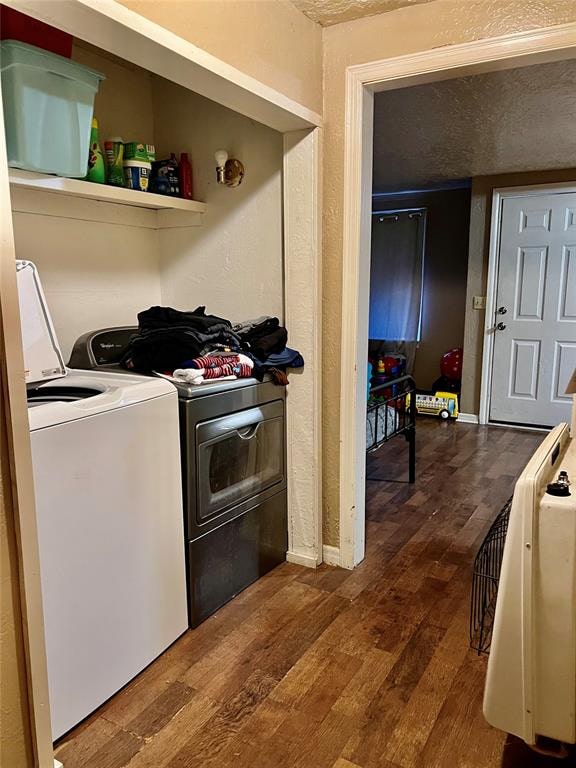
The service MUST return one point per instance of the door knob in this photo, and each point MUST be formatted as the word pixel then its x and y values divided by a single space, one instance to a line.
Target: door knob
pixel 500 327
pixel 502 310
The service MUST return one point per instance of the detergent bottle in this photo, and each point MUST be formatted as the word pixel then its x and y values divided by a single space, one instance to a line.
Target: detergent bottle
pixel 96 167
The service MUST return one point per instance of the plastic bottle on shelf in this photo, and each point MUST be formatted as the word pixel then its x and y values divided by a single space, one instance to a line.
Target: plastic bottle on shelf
pixel 185 176
pixel 173 176
pixel 114 151
pixel 96 166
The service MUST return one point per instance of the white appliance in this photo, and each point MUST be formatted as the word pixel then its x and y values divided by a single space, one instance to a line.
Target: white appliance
pixel 531 680
pixel 106 461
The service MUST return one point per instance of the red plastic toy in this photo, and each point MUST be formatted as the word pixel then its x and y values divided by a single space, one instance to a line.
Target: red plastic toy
pixel 451 365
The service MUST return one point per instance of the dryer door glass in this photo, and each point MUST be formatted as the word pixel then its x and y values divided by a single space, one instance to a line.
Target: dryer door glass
pixel 239 455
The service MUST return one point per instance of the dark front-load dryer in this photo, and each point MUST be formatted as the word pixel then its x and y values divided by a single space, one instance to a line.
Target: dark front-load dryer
pixel 234 479
pixel 233 450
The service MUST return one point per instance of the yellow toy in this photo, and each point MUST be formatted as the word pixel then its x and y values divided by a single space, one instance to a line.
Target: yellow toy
pixel 443 404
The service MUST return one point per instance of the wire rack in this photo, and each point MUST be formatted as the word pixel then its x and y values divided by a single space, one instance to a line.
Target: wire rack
pixel 389 414
pixel 485 579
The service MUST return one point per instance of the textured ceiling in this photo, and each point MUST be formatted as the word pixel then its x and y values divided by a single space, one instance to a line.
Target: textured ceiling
pixel 502 122
pixel 327 12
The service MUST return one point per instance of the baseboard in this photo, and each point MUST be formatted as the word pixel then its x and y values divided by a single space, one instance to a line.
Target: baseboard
pixel 468 418
pixel 331 555
pixel 524 427
pixel 309 561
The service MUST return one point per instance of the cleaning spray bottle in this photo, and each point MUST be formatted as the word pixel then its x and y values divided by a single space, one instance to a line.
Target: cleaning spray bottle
pixel 96 167
pixel 114 151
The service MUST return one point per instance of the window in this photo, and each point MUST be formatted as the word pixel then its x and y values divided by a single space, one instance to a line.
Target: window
pixel 396 274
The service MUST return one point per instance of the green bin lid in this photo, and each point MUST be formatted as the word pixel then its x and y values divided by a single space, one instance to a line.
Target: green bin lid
pixel 14 52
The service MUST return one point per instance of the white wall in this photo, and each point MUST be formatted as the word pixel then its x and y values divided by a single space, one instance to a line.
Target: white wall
pixel 94 274
pixel 233 262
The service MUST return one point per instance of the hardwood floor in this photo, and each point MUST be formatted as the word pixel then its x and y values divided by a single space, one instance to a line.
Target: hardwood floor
pixel 339 669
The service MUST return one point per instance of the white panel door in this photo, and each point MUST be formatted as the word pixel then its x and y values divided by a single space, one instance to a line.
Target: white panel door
pixel 535 320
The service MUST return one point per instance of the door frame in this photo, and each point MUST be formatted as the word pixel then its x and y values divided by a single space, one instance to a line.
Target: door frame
pixel 498 196
pixel 115 28
pixel 535 46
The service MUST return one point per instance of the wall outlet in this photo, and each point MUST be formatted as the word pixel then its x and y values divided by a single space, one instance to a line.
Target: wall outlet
pixel 479 302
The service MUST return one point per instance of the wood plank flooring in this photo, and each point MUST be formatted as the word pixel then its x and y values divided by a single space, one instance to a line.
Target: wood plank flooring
pixel 339 669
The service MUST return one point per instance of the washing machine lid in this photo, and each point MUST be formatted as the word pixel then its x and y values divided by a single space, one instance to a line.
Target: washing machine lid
pixel 85 394
pixel 43 359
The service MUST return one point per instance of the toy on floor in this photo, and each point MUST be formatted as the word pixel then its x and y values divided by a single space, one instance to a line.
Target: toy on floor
pixel 443 399
pixel 443 404
pixel 386 367
pixel 450 372
pixel 451 365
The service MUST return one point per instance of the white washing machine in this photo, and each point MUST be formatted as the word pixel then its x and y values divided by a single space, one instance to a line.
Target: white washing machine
pixel 106 461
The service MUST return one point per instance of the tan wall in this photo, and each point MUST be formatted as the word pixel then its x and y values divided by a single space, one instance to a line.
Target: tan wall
pixel 477 131
pixel 125 268
pixel 417 28
pixel 123 105
pixel 267 39
pixel 480 215
pixel 15 741
pixel 233 263
pixel 116 273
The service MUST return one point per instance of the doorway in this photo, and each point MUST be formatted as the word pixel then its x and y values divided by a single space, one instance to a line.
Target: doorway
pixel 363 81
pixel 530 335
pixel 418 286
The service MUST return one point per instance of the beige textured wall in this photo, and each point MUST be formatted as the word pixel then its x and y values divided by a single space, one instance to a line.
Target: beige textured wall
pixel 123 104
pixel 15 741
pixel 497 122
pixel 116 272
pixel 233 263
pixel 408 30
pixel 267 39
pixel 480 215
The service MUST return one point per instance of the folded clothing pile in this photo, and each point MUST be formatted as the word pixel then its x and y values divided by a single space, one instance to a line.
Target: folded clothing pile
pixel 262 337
pixel 216 366
pixel 265 340
pixel 167 337
pixel 196 347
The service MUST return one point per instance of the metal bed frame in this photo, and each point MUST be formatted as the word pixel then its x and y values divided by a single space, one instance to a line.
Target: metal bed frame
pixel 404 420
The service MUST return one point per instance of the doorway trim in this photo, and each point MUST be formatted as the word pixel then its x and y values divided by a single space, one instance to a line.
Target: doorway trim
pixel 536 46
pixel 498 196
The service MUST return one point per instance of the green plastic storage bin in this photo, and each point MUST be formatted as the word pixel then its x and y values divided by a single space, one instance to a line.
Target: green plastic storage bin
pixel 48 105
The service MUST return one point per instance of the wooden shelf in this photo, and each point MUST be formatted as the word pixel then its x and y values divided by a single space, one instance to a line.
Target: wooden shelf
pixel 102 192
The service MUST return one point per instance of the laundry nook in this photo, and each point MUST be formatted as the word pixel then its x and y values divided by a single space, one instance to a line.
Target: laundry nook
pixel 148 228
pixel 287 384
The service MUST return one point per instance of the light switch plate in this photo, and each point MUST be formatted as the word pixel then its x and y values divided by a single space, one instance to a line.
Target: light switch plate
pixel 479 302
